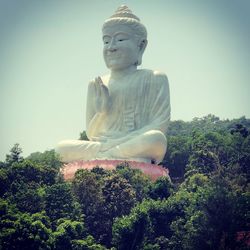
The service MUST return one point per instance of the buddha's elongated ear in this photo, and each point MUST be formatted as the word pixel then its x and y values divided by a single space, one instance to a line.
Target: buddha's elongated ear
pixel 142 46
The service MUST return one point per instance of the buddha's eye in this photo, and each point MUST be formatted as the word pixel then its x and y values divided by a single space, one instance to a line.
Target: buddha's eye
pixel 106 40
pixel 121 38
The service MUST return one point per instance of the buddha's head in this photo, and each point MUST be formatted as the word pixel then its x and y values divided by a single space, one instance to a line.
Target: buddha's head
pixel 124 38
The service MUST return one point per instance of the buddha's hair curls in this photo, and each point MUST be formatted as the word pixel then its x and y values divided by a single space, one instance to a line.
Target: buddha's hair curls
pixel 124 15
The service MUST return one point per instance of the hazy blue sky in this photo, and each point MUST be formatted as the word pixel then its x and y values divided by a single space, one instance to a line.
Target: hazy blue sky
pixel 51 49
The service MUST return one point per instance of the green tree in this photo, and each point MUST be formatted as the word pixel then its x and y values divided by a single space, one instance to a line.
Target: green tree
pixel 25 186
pixel 50 163
pixel 129 231
pixel 83 136
pixel 214 212
pixel 15 155
pixel 139 182
pixel 87 244
pixel 161 188
pixel 26 232
pixel 177 155
pixel 239 128
pixel 209 151
pixel 147 223
pixel 4 180
pixel 27 171
pixel 47 158
pixel 59 203
pixel 87 187
pixel 66 232
pixel 119 196
pixel 28 197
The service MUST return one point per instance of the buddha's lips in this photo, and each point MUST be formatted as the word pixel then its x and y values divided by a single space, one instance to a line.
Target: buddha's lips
pixel 113 55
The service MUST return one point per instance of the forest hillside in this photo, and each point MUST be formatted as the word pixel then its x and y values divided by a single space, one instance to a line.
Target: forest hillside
pixel 205 205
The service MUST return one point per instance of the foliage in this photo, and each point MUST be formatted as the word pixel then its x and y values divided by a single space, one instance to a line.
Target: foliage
pixel 59 203
pixel 4 180
pixel 15 155
pixel 66 232
pixel 87 244
pixel 147 222
pixel 139 182
pixel 205 205
pixel 177 155
pixel 50 162
pixel 83 136
pixel 102 197
pixel 161 188
pixel 25 231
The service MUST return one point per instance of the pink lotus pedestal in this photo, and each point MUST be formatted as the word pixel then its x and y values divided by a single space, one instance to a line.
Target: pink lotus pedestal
pixel 152 170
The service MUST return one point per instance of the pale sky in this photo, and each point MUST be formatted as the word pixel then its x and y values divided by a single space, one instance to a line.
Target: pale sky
pixel 51 49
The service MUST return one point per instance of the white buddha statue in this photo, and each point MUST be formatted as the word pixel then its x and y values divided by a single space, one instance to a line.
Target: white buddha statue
pixel 128 110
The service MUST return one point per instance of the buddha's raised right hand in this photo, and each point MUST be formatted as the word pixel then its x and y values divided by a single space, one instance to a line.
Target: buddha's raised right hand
pixel 102 99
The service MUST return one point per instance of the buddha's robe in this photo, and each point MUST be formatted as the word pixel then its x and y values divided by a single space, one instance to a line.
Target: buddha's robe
pixel 134 125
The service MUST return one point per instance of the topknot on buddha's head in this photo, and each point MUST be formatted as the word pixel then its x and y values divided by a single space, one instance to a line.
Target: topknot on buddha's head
pixel 124 15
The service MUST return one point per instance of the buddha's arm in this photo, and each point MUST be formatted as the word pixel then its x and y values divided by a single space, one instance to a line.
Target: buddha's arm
pixel 160 111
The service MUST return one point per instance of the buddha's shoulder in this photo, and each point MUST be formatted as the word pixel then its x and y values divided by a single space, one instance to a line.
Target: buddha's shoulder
pixel 157 78
pixel 154 73
pixel 159 74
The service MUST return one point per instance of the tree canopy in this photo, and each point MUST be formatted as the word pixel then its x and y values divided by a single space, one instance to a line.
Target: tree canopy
pixel 205 205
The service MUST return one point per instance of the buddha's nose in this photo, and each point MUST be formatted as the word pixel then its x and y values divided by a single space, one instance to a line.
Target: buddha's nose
pixel 112 46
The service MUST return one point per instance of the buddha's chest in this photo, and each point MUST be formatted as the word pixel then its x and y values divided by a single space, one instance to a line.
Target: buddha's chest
pixel 125 90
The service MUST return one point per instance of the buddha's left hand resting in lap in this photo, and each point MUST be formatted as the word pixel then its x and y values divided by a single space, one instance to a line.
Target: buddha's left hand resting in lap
pixel 128 111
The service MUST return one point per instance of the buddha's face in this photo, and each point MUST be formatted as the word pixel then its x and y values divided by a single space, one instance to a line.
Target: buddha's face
pixel 121 48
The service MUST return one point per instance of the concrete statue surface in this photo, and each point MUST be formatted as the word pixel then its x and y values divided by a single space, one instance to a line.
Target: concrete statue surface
pixel 128 110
